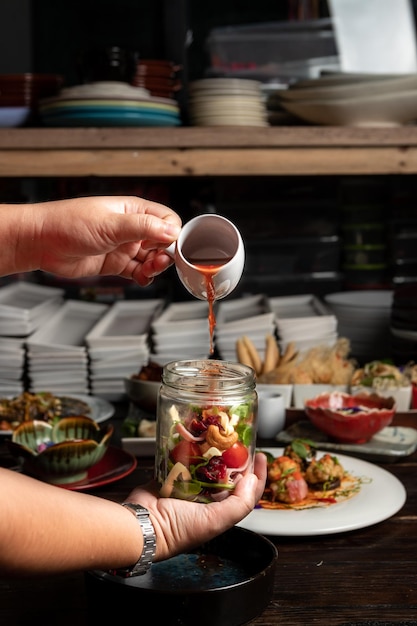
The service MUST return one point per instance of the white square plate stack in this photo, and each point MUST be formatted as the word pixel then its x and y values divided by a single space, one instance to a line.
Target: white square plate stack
pixel 12 365
pixel 249 316
pixel 57 353
pixel 181 332
pixel 119 345
pixel 23 308
pixel 304 320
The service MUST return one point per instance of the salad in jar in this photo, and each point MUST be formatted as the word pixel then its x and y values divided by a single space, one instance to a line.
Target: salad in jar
pixel 204 447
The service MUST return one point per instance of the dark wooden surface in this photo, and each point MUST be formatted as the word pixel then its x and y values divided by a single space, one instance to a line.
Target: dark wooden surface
pixel 365 577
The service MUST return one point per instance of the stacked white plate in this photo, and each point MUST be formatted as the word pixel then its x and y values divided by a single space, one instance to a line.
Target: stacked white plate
pixel 353 99
pixel 23 308
pixel 364 317
pixel 227 102
pixel 181 332
pixel 304 320
pixel 119 345
pixel 57 356
pixel 108 103
pixel 12 366
pixel 248 316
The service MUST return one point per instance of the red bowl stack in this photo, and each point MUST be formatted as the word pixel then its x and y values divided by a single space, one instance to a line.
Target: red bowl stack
pixel 159 77
pixel 20 94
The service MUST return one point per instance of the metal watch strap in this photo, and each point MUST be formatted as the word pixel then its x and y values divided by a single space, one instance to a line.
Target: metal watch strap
pixel 149 542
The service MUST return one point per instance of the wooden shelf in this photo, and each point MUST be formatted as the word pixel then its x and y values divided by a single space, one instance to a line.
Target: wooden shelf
pixel 216 151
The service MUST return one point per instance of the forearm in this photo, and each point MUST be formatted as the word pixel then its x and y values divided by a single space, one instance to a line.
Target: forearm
pixel 94 533
pixel 20 244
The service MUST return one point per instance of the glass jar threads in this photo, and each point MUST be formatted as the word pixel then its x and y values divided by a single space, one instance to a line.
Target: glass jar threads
pixel 206 428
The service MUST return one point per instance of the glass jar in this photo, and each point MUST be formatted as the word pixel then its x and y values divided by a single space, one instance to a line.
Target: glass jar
pixel 206 428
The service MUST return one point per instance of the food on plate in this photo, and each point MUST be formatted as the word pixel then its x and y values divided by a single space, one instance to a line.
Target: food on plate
pixel 286 483
pixel 303 451
pixel 319 365
pixel 206 451
pixel 147 428
pixel 381 375
pixel 300 479
pixel 43 406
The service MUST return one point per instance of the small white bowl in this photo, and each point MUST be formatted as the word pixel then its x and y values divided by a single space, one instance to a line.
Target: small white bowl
pixel 285 390
pixel 271 413
pixel 13 116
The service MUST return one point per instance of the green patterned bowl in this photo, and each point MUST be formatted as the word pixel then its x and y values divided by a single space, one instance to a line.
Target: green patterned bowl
pixel 60 453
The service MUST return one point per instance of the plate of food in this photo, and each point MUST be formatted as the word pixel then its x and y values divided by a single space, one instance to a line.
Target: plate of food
pixel 47 406
pixel 315 493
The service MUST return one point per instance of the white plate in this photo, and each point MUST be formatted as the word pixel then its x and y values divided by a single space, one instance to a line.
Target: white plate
pixel 127 322
pixel 105 89
pixel 303 345
pixel 352 89
pixel 380 497
pixel 100 409
pixel 238 309
pixel 390 109
pixel 181 314
pixel 139 446
pixel 25 300
pixel 67 328
pixel 367 299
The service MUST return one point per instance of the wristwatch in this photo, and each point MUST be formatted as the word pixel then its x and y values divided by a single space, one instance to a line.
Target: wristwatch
pixel 149 543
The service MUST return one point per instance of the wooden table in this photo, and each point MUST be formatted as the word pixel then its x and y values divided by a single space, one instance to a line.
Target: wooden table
pixel 365 577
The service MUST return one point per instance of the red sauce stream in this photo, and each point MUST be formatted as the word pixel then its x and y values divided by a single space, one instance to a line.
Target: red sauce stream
pixel 209 268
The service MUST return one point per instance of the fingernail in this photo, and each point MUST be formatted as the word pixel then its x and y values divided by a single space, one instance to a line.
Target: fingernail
pixel 173 230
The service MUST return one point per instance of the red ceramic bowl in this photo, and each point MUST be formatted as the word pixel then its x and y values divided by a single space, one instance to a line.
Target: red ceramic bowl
pixel 350 418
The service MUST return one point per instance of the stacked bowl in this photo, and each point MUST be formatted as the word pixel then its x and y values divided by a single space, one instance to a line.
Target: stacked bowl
pixel 303 320
pixel 365 317
pixel 20 95
pixel 159 77
pixel 227 102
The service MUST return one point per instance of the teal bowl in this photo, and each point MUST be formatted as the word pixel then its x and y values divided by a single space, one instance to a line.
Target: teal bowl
pixel 61 453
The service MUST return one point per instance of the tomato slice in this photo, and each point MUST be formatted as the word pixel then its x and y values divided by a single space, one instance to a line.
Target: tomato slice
pixel 236 455
pixel 186 452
